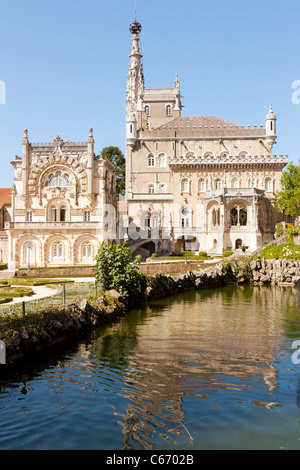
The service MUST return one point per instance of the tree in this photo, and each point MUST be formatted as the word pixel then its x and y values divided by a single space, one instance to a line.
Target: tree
pixel 288 199
pixel 114 155
pixel 114 270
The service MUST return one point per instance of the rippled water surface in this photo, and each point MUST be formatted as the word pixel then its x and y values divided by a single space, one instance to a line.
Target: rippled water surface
pixel 205 370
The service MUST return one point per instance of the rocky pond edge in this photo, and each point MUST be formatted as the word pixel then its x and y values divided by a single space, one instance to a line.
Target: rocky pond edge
pixel 39 332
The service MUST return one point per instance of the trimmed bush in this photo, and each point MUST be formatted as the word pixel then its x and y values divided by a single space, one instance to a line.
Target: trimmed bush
pixel 227 253
pixel 202 253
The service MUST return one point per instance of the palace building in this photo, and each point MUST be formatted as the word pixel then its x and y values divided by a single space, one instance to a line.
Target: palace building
pixel 192 183
pixel 61 202
pixel 195 183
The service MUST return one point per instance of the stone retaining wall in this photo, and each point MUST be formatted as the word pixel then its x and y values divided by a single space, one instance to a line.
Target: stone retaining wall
pixel 272 271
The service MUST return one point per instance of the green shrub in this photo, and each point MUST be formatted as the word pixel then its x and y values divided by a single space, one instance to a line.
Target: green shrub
pixel 202 253
pixel 186 253
pixel 154 255
pixel 115 270
pixel 227 253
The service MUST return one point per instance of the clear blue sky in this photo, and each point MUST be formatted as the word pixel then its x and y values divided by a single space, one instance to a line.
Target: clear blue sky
pixel 65 64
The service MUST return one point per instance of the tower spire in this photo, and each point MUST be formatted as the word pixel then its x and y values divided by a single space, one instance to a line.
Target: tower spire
pixel 135 78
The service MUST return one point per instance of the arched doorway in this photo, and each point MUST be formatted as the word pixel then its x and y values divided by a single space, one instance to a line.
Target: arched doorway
pixel 238 244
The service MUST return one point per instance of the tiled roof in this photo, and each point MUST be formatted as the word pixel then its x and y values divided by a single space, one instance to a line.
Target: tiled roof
pixel 5 196
pixel 199 121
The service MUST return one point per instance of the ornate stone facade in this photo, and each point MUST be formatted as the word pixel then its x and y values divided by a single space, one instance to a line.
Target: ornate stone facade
pixel 62 200
pixel 195 183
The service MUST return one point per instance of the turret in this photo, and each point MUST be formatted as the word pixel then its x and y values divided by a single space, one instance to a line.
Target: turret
pixel 25 162
pixel 131 130
pixel 90 164
pixel 271 127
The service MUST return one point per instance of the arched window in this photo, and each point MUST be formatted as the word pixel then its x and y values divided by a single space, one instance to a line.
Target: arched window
pixel 162 160
pixel 59 179
pixel 214 217
pixel 185 218
pixel 243 217
pixel 87 250
pixel 151 160
pixel 58 251
pixel 218 184
pixel 147 109
pixel 238 217
pixel 154 221
pixel 215 244
pixel 201 185
pixel 146 221
pixel 58 213
pixel 162 188
pixel 235 183
pixel 168 110
pixel 185 185
pixel 269 184
pixel 233 216
pixel 151 189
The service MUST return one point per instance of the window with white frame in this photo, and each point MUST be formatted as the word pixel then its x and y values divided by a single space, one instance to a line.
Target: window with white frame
pixel 155 221
pixel 185 185
pixel 218 184
pixel 151 161
pixel 168 110
pixel 147 109
pixel 162 160
pixel 162 188
pixel 185 218
pixel 201 185
pixel 151 189
pixel 269 184
pixel 58 251
pixel 87 250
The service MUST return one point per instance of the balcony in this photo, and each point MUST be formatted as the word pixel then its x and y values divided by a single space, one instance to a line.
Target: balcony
pixel 51 225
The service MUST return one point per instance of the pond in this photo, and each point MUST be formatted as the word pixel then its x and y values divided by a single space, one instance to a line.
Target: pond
pixel 212 369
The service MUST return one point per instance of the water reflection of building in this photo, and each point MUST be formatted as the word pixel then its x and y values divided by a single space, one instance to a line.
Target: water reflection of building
pixel 229 342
